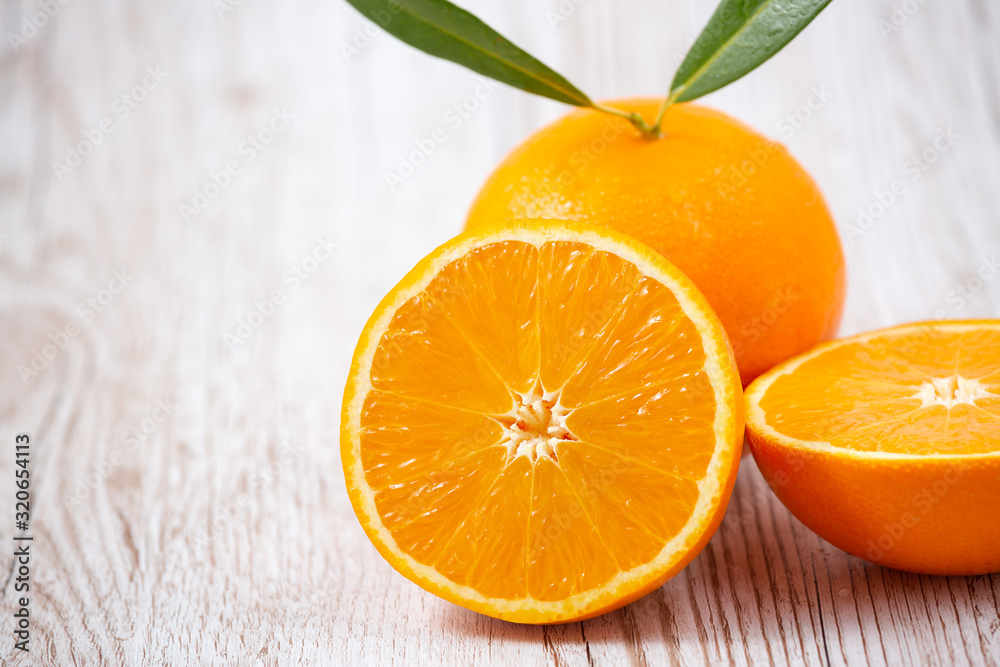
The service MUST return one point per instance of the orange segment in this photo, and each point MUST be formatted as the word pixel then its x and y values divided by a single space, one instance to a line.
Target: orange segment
pixel 423 355
pixel 649 340
pixel 424 514
pixel 674 435
pixel 489 295
pixel 492 538
pixel 542 422
pixel 405 438
pixel 580 291
pixel 566 555
pixel 610 485
pixel 887 444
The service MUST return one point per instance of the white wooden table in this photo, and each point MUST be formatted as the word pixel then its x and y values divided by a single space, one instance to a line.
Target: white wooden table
pixel 188 501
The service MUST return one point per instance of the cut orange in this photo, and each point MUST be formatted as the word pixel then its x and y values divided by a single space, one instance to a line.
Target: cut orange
pixel 887 444
pixel 542 422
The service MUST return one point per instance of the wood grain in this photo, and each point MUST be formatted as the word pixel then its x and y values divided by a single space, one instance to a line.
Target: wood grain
pixel 220 533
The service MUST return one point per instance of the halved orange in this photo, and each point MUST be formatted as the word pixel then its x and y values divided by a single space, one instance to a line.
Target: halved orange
pixel 542 422
pixel 887 444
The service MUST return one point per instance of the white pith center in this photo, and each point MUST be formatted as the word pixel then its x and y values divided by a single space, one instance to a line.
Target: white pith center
pixel 951 391
pixel 535 426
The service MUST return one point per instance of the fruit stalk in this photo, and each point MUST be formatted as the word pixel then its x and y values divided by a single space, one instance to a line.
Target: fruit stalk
pixel 634 118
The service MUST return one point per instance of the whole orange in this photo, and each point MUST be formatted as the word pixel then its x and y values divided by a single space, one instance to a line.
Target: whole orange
pixel 732 209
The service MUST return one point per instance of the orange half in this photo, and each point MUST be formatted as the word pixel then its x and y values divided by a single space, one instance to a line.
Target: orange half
pixel 887 444
pixel 542 422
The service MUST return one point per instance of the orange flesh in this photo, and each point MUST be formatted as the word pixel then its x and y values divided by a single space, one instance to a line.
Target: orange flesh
pixel 934 392
pixel 512 341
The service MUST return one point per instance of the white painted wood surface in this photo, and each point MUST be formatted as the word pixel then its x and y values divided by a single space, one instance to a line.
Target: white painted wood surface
pixel 222 534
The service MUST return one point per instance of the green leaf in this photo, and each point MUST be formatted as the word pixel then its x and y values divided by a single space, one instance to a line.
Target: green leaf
pixel 741 35
pixel 441 29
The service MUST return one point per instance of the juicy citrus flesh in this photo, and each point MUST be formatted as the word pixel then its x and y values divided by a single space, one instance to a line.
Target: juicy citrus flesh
pixel 887 444
pixel 730 208
pixel 542 422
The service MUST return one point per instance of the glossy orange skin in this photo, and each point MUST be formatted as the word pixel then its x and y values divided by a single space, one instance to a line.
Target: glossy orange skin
pixel 733 210
pixel 928 515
